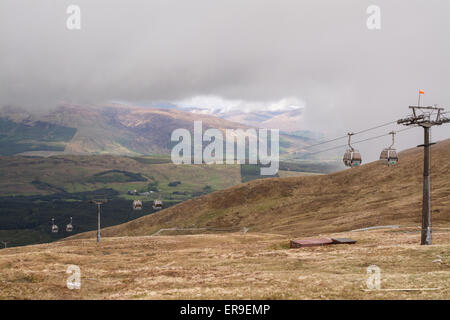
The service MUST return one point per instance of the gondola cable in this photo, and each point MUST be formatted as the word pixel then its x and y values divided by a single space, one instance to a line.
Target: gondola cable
pixel 360 141
pixel 355 133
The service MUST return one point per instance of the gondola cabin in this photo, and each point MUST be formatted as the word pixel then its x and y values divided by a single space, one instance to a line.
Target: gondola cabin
pixel 69 227
pixel 389 157
pixel 54 226
pixel 157 205
pixel 137 205
pixel 352 158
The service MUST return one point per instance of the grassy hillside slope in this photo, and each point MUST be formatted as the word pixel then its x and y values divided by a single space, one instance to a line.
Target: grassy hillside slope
pixel 370 195
pixel 229 266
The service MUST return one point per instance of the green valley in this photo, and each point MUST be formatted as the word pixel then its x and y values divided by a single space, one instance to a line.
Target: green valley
pixel 34 189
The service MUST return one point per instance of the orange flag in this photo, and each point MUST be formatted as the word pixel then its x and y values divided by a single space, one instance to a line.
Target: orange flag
pixel 421 92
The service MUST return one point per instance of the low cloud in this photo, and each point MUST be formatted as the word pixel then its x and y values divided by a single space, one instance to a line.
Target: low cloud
pixel 215 104
pixel 273 54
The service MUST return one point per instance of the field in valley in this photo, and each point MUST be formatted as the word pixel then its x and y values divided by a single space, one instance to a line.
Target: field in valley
pixel 33 190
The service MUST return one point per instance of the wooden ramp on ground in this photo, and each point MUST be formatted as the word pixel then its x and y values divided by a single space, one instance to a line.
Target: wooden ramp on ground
pixel 311 242
pixel 343 241
pixel 320 242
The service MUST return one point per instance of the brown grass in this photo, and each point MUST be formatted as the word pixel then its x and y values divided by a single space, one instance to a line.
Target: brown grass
pixel 229 266
pixel 259 265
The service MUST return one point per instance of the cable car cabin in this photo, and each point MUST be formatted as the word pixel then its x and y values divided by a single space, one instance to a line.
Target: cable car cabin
pixel 157 205
pixel 54 226
pixel 352 158
pixel 137 205
pixel 69 227
pixel 389 157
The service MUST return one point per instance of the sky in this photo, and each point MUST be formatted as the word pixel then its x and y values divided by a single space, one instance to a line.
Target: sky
pixel 235 54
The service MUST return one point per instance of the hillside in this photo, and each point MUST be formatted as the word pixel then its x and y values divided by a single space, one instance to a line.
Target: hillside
pixel 19 132
pixel 286 120
pixel 107 129
pixel 25 175
pixel 300 206
pixel 229 266
pixel 260 265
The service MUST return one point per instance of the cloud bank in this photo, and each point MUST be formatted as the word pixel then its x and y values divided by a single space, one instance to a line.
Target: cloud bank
pixel 231 54
pixel 218 104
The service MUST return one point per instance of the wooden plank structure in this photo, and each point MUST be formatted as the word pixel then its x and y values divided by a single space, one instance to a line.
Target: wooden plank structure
pixel 320 242
pixel 343 241
pixel 311 242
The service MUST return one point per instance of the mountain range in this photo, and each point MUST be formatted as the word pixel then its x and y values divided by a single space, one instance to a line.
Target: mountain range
pixel 124 129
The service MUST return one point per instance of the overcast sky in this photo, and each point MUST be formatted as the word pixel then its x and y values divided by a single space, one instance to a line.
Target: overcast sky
pixel 316 54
